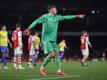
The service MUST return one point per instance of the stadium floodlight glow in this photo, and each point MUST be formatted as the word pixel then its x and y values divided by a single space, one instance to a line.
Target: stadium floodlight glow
pixel 93 11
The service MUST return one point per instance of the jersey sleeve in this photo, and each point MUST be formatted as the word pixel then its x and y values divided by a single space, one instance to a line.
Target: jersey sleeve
pixel 82 41
pixel 59 44
pixel 0 33
pixel 19 33
pixel 13 36
pixel 33 38
pixel 20 38
pixel 88 42
pixel 37 21
pixel 65 45
pixel 7 34
pixel 38 39
pixel 68 17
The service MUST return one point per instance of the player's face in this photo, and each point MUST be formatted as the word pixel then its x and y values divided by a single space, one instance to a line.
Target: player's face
pixel 36 33
pixel 85 34
pixel 4 28
pixel 63 40
pixel 18 28
pixel 53 10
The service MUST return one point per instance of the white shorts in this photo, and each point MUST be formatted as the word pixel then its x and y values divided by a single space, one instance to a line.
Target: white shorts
pixel 17 51
pixel 31 52
pixel 85 52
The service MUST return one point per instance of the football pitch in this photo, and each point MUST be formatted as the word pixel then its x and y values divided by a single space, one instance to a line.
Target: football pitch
pixel 74 71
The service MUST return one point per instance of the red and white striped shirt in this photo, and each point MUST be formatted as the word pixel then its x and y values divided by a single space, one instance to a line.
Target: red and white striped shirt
pixel 85 42
pixel 17 38
pixel 30 42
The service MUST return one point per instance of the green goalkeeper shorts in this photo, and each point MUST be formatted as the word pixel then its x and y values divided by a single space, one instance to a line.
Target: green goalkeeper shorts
pixel 49 46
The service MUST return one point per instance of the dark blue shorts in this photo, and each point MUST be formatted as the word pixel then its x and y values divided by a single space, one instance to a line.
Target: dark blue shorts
pixel 4 49
pixel 36 51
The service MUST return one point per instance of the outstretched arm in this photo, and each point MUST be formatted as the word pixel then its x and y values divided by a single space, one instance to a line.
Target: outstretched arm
pixel 9 43
pixel 68 17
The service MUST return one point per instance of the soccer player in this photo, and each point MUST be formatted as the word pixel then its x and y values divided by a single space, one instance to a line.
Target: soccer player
pixel 31 50
pixel 62 46
pixel 49 35
pixel 4 45
pixel 84 47
pixel 17 39
pixel 37 44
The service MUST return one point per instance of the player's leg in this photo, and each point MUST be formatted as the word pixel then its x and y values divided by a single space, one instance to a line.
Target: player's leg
pixel 5 60
pixel 0 62
pixel 36 57
pixel 45 62
pixel 47 59
pixel 19 58
pixel 4 51
pixel 62 55
pixel 84 60
pixel 15 62
pixel 15 59
pixel 57 59
pixel 0 59
pixel 47 46
pixel 58 63
pixel 85 56
pixel 31 55
pixel 19 62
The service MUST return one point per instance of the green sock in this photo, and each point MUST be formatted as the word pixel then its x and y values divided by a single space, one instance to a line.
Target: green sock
pixel 46 61
pixel 58 63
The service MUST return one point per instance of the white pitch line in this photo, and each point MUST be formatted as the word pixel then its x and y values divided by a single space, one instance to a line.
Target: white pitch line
pixel 29 75
pixel 59 77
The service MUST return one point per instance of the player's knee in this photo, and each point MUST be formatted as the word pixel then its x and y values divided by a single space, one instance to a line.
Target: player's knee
pixel 5 55
pixel 51 55
pixel 15 55
pixel 19 55
pixel 56 54
pixel 32 56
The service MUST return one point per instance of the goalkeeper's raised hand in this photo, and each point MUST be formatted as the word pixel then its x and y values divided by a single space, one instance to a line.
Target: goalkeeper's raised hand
pixel 27 32
pixel 81 16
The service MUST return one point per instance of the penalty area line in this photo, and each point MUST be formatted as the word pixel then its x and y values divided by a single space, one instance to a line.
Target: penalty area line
pixel 57 77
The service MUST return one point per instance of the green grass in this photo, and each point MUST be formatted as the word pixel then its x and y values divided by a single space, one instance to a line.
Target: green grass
pixel 74 71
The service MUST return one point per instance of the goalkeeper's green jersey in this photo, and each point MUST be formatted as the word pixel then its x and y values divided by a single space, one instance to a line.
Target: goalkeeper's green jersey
pixel 50 25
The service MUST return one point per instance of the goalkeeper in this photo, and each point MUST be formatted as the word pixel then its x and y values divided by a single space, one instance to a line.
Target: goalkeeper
pixel 49 36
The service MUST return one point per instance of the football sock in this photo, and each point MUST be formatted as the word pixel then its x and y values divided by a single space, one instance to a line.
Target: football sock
pixel 46 61
pixel 19 60
pixel 30 61
pixel 58 63
pixel 15 61
pixel 4 61
pixel 35 60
